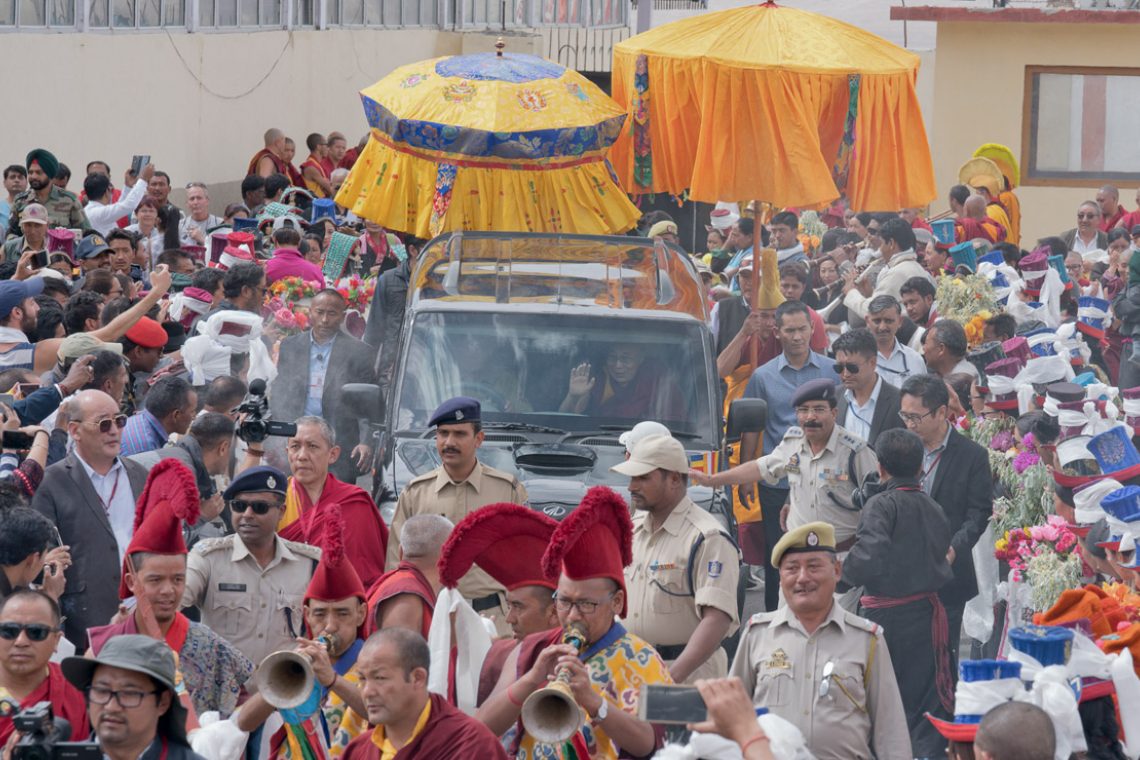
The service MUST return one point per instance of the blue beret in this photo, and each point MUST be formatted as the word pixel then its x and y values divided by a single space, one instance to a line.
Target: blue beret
pixel 815 390
pixel 458 409
pixel 262 479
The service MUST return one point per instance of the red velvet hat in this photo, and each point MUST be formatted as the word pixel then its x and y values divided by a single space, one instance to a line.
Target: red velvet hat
pixel 505 540
pixel 963 733
pixel 595 541
pixel 169 498
pixel 148 334
pixel 335 579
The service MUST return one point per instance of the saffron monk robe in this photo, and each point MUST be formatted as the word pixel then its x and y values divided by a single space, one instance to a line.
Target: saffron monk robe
pixel 410 723
pixel 587 553
pixel 30 630
pixel 507 541
pixel 405 596
pixel 210 669
pixel 334 609
pixel 313 491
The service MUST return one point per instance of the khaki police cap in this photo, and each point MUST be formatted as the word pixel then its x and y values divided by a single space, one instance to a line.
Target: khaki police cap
pixel 812 537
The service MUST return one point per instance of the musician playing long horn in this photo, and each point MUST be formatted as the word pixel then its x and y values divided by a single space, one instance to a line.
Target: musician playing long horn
pixel 332 639
pixel 587 553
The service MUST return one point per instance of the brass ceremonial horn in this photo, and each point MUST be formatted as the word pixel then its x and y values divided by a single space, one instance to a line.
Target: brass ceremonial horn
pixel 550 714
pixel 285 678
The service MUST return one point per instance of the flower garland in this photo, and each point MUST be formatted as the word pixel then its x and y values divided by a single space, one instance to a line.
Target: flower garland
pixel 292 289
pixel 965 299
pixel 356 291
pixel 811 232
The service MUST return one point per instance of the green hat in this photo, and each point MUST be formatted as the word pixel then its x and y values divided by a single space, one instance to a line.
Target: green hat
pixel 140 654
pixel 811 537
pixel 48 162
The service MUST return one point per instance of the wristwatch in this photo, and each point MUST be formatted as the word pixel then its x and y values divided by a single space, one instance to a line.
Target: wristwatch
pixel 602 711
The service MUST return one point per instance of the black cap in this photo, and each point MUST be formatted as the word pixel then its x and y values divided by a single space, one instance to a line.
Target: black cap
pixel 815 390
pixel 261 479
pixel 1136 229
pixel 456 410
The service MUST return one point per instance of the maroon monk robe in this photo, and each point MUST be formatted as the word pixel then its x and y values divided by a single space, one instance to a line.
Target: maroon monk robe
pixel 492 668
pixel 406 578
pixel 66 702
pixel 448 733
pixel 365 534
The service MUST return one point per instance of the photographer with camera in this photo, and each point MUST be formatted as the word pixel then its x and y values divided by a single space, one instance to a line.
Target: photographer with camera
pixel 131 699
pixel 29 633
pixel 28 545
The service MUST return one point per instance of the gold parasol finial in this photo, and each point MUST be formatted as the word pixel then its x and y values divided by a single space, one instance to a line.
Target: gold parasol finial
pixel 499 45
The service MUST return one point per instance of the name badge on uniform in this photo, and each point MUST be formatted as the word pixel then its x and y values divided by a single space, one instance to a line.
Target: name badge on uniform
pixel 793 463
pixel 715 569
pixel 655 566
pixel 231 587
pixel 779 660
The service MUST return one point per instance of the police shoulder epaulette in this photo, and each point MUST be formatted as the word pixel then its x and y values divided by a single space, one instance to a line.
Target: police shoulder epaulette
pixel 852 441
pixel 761 618
pixel 862 624
pixel 491 472
pixel 421 478
pixel 795 431
pixel 305 550
pixel 208 545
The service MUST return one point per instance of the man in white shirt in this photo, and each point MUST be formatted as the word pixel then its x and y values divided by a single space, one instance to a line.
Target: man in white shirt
pixel 102 213
pixel 900 264
pixel 894 361
pixel 195 224
pixel 868 405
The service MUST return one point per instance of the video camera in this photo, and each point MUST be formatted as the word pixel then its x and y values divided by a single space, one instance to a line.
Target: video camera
pixel 258 425
pixel 44 737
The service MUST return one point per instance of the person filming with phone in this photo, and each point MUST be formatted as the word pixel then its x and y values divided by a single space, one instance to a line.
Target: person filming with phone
pixel 29 544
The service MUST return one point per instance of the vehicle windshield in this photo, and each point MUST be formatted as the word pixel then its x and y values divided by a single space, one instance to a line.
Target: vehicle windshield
pixel 564 371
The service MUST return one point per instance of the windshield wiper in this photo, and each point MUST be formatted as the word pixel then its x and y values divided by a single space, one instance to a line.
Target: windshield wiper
pixel 523 426
pixel 612 429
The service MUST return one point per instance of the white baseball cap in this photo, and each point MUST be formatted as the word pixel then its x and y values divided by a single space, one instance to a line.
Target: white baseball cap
pixel 657 452
pixel 641 430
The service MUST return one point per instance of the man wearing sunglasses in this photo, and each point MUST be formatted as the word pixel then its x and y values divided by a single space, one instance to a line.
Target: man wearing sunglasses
pixel 29 633
pixel 131 700
pixel 869 404
pixel 90 496
pixel 250 585
pixel 823 669
pixel 1087 235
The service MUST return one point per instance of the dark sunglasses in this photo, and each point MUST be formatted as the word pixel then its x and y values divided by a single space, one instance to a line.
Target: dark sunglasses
pixel 35 631
pixel 238 506
pixel 119 421
pixel 850 368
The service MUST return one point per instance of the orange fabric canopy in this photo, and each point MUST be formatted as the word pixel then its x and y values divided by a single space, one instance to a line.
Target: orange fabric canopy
pixel 771 103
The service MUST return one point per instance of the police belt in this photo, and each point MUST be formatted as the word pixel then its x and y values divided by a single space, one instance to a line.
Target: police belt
pixel 846 545
pixel 670 651
pixel 484 603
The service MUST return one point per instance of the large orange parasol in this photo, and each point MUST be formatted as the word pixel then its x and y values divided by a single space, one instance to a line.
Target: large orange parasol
pixel 772 103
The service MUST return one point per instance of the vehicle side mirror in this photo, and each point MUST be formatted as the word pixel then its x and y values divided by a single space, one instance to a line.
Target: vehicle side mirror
pixel 746 415
pixel 362 400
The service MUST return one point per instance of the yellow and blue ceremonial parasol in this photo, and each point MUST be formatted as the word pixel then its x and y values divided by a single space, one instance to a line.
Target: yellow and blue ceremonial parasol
pixel 488 141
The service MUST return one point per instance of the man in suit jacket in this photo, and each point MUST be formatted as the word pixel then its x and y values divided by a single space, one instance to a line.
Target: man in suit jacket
pixel 956 474
pixel 868 405
pixel 312 367
pixel 90 496
pixel 1087 235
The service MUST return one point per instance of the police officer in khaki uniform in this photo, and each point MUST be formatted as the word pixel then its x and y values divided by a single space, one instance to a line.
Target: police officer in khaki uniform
pixel 816 665
pixel 681 585
pixel 456 489
pixel 823 462
pixel 64 209
pixel 250 586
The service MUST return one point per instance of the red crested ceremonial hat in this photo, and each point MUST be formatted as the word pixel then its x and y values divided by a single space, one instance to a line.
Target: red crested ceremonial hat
pixel 595 541
pixel 505 540
pixel 169 498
